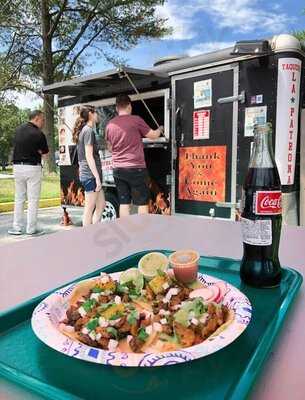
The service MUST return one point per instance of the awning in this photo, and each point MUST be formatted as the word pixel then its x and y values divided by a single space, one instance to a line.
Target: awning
pixel 107 83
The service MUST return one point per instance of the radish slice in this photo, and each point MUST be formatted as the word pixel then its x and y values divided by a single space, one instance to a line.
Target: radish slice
pixel 205 293
pixel 223 290
pixel 216 293
pixel 170 273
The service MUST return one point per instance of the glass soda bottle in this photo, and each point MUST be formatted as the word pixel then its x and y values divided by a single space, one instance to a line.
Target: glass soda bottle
pixel 261 217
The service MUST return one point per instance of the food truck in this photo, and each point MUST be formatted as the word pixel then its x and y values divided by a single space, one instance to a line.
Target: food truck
pixel 208 105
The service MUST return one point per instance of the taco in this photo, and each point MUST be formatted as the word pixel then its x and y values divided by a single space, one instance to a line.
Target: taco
pixel 134 315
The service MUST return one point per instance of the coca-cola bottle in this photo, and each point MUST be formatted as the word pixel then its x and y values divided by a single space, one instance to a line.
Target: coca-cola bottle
pixel 261 217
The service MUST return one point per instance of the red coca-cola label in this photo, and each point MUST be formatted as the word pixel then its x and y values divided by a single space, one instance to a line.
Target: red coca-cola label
pixel 268 203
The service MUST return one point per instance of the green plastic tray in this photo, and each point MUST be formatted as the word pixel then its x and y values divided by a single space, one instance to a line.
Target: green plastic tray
pixel 228 374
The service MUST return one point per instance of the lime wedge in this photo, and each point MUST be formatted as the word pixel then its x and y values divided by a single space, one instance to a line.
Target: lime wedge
pixel 152 263
pixel 132 275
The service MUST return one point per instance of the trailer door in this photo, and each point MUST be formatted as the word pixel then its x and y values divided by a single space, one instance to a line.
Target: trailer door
pixel 205 117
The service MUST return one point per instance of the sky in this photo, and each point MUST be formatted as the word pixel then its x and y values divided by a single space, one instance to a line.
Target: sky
pixel 202 26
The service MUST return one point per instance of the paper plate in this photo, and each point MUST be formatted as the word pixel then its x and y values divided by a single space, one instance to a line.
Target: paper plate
pixel 50 312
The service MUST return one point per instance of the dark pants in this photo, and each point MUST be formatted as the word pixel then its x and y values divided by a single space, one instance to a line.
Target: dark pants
pixel 132 185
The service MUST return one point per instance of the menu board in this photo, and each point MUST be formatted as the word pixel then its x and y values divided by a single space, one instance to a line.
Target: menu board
pixel 201 124
pixel 202 173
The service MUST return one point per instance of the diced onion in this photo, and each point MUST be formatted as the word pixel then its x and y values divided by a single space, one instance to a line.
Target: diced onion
pixel 82 311
pixel 112 345
pixel 104 279
pixel 149 329
pixel 102 322
pixel 95 296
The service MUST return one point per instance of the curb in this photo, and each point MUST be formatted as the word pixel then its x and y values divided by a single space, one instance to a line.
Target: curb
pixel 43 203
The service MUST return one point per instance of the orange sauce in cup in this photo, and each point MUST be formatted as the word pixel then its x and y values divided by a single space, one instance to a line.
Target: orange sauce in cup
pixel 185 265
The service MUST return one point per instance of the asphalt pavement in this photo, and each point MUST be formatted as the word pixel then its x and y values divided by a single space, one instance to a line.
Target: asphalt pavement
pixel 48 220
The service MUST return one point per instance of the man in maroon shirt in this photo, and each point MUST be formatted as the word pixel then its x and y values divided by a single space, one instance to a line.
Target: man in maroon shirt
pixel 124 134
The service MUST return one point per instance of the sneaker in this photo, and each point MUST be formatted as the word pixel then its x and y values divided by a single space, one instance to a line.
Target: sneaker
pixel 36 233
pixel 15 232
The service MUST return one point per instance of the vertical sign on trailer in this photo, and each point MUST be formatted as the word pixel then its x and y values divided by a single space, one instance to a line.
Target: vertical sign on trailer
pixel 287 115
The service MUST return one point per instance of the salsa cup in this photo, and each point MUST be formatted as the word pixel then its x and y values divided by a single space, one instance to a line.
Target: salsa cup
pixel 185 265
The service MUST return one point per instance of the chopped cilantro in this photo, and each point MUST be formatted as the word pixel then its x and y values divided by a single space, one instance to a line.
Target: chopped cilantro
pixel 160 272
pixel 88 304
pixel 199 307
pixel 97 289
pixel 134 292
pixel 132 317
pixel 112 331
pixel 195 307
pixel 122 288
pixel 91 325
pixel 142 335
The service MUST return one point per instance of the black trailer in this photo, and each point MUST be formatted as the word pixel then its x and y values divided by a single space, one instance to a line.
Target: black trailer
pixel 208 105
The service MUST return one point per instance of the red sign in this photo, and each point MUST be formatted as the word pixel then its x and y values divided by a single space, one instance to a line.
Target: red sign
pixel 201 124
pixel 268 203
pixel 202 173
pixel 107 164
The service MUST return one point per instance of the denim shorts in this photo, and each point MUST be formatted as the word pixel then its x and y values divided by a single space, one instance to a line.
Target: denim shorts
pixel 89 185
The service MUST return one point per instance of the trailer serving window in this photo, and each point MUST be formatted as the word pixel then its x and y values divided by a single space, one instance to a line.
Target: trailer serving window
pixel 157 101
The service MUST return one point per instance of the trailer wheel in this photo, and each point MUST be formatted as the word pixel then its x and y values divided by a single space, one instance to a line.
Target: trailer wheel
pixel 111 210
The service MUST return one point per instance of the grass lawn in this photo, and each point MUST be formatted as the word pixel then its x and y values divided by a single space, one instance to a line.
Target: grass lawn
pixel 8 170
pixel 50 188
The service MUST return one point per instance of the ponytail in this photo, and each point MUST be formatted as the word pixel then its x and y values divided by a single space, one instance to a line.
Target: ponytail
pixel 81 122
pixel 78 126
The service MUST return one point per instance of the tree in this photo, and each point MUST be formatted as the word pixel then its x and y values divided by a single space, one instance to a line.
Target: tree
pixel 8 77
pixel 300 35
pixel 51 40
pixel 11 117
